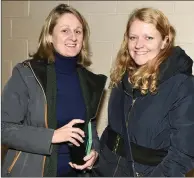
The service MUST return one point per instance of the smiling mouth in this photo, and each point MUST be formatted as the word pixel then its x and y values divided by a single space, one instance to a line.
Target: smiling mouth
pixel 70 45
pixel 141 52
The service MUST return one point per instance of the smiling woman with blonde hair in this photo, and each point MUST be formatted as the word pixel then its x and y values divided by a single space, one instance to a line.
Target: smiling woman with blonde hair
pixel 150 111
pixel 49 104
pixel 149 71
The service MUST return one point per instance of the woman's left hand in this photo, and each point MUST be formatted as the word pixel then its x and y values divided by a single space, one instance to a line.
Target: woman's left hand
pixel 90 160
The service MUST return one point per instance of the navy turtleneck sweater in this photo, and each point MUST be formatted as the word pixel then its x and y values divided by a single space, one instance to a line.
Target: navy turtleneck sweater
pixel 69 103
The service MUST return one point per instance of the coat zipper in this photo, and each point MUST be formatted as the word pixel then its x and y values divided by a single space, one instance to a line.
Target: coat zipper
pixel 127 122
pixel 118 138
pixel 45 116
pixel 117 166
pixel 14 162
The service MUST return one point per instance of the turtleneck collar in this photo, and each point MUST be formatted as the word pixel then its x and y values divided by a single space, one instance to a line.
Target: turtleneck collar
pixel 65 65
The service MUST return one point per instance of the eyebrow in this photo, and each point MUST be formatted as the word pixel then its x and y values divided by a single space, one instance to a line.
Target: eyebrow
pixel 143 34
pixel 132 34
pixel 68 26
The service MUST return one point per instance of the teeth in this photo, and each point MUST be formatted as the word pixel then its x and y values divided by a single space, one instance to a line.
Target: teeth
pixel 141 52
pixel 70 45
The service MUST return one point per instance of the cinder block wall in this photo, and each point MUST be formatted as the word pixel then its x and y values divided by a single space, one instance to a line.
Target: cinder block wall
pixel 22 22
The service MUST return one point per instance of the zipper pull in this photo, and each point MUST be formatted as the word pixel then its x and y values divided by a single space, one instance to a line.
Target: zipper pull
pixel 8 174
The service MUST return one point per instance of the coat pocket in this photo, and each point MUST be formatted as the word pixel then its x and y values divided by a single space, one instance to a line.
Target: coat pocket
pixel 110 164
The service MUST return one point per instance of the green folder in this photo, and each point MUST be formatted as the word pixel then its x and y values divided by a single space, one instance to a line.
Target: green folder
pixel 89 142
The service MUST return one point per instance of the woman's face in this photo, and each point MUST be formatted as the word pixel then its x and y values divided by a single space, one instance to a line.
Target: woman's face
pixel 145 42
pixel 67 36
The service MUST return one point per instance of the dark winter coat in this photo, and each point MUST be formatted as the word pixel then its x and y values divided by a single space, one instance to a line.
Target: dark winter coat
pixel 29 117
pixel 161 121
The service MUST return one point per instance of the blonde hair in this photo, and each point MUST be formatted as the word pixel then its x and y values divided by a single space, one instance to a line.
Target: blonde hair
pixel 145 77
pixel 45 48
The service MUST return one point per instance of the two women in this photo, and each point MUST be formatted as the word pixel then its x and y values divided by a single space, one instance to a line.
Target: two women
pixel 150 110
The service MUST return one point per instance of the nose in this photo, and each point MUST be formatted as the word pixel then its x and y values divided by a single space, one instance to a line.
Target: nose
pixel 73 36
pixel 139 43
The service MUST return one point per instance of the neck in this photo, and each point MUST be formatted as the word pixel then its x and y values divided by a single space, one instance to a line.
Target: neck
pixel 64 64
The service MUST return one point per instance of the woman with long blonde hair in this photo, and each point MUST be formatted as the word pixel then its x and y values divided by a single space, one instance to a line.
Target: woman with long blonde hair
pixel 150 112
pixel 49 105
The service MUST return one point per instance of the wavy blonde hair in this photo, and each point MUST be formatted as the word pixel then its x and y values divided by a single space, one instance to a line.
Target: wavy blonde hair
pixel 45 48
pixel 145 77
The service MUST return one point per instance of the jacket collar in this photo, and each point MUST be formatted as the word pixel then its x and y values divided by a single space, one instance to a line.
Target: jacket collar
pixel 92 85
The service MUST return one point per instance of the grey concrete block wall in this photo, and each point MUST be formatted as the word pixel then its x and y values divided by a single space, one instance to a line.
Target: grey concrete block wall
pixel 22 22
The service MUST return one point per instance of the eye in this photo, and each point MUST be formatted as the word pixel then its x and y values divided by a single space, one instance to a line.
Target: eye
pixel 132 38
pixel 78 31
pixel 65 30
pixel 149 38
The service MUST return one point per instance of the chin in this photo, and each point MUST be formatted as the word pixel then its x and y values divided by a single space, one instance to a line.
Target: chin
pixel 71 54
pixel 140 62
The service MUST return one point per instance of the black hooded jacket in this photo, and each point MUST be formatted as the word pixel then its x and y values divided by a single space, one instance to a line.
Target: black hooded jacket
pixel 161 121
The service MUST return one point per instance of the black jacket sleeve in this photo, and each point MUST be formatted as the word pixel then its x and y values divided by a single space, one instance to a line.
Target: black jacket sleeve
pixel 180 158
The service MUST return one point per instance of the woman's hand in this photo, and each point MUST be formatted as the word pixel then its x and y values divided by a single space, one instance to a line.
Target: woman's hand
pixel 90 160
pixel 67 133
